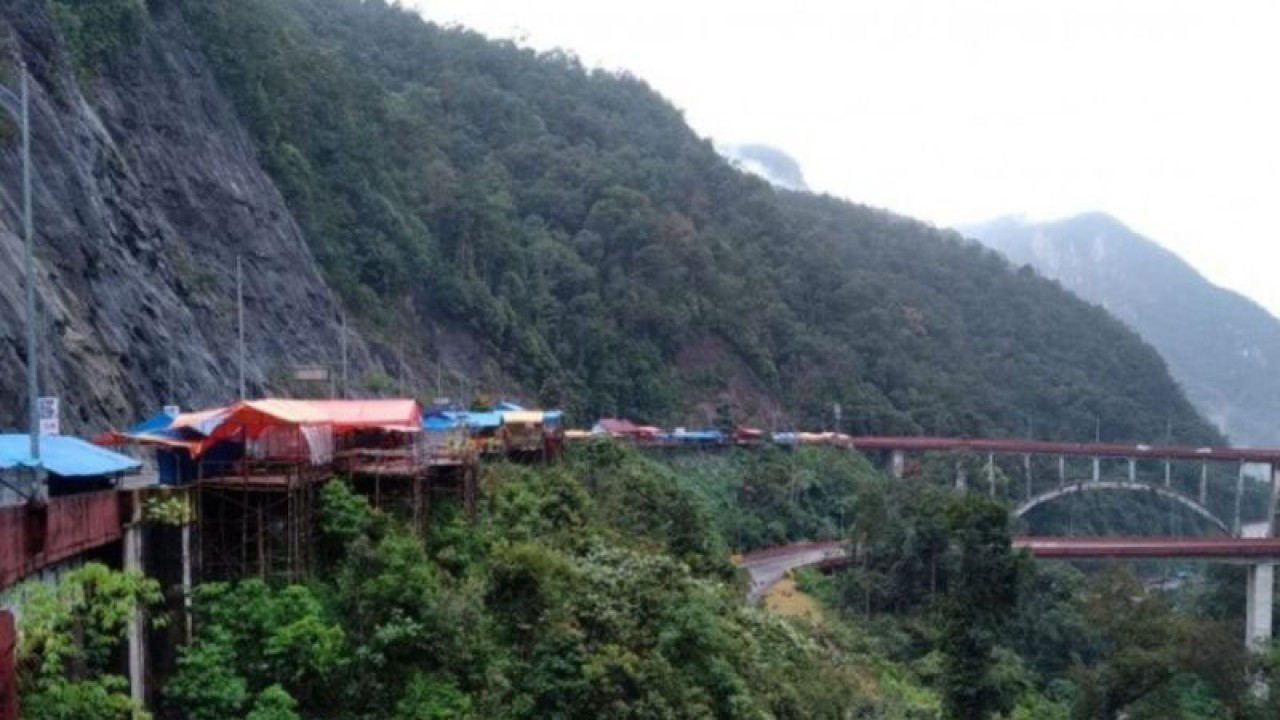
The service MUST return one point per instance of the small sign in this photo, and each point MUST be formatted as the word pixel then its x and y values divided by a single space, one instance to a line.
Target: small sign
pixel 172 411
pixel 47 409
pixel 311 374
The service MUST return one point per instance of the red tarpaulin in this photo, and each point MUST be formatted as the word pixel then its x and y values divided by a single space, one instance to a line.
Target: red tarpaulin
pixel 346 415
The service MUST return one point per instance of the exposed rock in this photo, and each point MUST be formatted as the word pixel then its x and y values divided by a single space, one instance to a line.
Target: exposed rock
pixel 147 188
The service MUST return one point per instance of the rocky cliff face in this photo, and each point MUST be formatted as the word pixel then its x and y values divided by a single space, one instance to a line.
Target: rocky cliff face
pixel 147 189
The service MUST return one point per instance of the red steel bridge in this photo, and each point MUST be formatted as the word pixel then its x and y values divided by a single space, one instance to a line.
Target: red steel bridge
pixel 1030 473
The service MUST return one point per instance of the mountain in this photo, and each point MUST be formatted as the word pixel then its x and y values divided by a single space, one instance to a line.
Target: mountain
pixel 484 212
pixel 1223 348
pixel 768 162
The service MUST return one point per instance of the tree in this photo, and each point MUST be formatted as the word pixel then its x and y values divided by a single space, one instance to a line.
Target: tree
pixel 981 597
pixel 68 633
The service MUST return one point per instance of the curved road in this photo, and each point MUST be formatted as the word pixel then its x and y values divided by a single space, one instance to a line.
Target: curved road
pixel 770 565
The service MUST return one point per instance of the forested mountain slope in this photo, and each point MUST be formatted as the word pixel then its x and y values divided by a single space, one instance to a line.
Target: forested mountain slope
pixel 1221 347
pixel 568 228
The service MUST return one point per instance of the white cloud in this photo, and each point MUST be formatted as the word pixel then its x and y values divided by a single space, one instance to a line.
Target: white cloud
pixel 1161 112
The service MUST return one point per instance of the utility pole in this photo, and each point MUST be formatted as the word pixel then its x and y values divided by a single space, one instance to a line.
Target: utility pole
pixel 18 104
pixel 240 321
pixel 345 393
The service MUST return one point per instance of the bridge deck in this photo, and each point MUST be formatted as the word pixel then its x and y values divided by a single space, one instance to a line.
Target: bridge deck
pixel 1069 449
pixel 1200 548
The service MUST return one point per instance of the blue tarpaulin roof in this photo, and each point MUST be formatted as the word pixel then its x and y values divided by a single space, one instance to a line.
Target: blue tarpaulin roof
pixel 481 420
pixel 64 456
pixel 440 422
pixel 155 423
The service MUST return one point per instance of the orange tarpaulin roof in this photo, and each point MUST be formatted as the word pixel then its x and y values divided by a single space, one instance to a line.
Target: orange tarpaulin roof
pixel 249 417
pixel 381 414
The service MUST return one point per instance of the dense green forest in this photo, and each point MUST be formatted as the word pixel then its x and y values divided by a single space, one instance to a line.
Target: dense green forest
pixel 602 587
pixel 609 261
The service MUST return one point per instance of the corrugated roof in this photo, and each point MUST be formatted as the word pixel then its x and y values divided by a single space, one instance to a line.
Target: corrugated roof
pixel 64 456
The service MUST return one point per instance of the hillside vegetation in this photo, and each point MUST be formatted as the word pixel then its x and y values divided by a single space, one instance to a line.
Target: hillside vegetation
pixel 608 259
pixel 601 587
pixel 1220 346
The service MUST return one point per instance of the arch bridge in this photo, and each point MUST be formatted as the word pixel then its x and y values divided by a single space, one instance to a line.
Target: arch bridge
pixel 1251 543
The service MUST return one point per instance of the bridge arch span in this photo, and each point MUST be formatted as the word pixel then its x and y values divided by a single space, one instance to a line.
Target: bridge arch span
pixel 1092 485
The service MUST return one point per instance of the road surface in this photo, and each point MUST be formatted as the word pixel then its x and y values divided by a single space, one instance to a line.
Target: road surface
pixel 769 566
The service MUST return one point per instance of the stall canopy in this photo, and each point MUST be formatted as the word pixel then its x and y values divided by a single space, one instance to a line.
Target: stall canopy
pixel 437 422
pixel 522 417
pixel 156 423
pixel 64 456
pixel 480 420
pixel 394 415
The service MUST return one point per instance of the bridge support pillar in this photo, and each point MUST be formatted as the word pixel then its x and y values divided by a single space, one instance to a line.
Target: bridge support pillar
pixel 1026 466
pixel 1239 497
pixel 1204 482
pixel 991 474
pixel 1133 470
pixel 1259 596
pixel 1274 505
pixel 136 632
pixel 897 463
pixel 1097 469
pixel 1062 470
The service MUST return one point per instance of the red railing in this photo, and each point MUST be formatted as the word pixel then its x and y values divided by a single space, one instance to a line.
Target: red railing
pixel 8 673
pixel 32 538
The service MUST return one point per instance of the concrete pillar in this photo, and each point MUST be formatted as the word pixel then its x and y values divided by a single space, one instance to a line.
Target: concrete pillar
pixel 1168 475
pixel 961 481
pixel 1062 471
pixel 1204 483
pixel 137 627
pixel 1026 467
pixel 897 463
pixel 1097 469
pixel 1258 599
pixel 991 474
pixel 1133 470
pixel 1239 498
pixel 1272 507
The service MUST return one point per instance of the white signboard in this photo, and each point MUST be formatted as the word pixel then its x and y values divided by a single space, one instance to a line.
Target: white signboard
pixel 47 408
pixel 172 411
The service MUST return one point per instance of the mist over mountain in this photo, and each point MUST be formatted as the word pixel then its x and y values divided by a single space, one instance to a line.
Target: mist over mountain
pixel 768 162
pixel 1223 348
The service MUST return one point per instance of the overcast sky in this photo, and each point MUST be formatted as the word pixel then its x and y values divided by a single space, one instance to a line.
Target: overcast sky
pixel 1165 114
